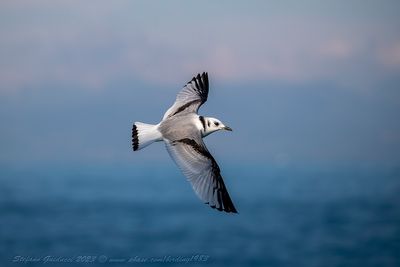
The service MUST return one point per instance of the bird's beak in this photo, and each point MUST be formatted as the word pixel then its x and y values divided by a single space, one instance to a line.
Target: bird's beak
pixel 227 128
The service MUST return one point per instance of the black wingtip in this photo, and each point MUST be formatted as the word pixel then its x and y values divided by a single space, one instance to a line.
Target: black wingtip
pixel 199 75
pixel 135 138
pixel 224 200
pixel 227 206
pixel 229 209
pixel 202 79
pixel 205 80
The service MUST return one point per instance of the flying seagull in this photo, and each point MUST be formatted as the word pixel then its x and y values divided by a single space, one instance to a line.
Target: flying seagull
pixel 182 131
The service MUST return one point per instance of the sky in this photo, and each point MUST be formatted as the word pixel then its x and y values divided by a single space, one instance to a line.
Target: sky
pixel 301 83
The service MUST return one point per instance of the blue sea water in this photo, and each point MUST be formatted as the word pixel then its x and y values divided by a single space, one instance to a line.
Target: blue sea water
pixel 129 216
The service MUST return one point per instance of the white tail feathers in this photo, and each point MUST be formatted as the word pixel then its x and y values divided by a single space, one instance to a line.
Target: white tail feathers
pixel 144 134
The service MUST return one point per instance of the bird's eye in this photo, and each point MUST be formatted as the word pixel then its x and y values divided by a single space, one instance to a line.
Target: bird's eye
pixel 216 123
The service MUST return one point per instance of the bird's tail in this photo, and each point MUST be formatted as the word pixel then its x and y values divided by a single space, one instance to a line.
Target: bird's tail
pixel 144 134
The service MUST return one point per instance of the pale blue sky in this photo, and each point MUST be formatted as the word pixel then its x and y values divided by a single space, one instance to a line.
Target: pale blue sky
pixel 310 82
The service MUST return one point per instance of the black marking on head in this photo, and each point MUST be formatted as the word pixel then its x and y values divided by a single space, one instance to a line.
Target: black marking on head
pixel 203 122
pixel 135 138
pixel 208 123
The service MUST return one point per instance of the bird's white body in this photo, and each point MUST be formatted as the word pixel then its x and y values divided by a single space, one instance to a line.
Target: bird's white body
pixel 149 133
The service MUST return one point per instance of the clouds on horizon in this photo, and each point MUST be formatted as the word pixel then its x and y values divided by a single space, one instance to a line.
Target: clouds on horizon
pixel 90 46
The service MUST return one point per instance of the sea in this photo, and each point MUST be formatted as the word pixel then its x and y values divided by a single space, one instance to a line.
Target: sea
pixel 149 216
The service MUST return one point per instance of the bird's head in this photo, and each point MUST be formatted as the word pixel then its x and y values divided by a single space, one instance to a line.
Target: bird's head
pixel 213 125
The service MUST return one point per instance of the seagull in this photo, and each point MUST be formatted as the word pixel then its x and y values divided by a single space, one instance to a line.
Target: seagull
pixel 182 131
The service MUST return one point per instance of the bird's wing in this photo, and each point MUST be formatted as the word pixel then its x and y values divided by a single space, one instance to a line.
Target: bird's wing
pixel 202 171
pixel 191 97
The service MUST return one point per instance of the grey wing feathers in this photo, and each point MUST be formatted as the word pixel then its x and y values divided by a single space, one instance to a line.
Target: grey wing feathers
pixel 201 169
pixel 191 97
